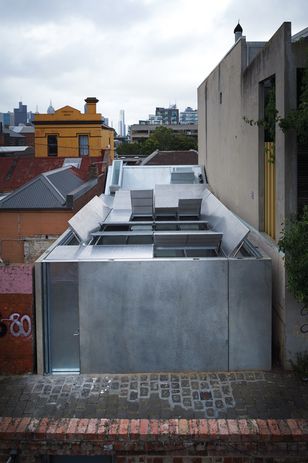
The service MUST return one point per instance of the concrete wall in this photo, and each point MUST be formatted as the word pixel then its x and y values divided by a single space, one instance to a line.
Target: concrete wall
pixel 231 167
pixel 230 142
pixel 288 337
pixel 174 315
pixel 233 155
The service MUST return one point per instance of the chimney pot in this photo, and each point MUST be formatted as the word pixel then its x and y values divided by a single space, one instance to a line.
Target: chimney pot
pixel 90 106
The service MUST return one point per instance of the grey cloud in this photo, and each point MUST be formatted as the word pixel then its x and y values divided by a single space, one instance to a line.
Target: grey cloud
pixel 131 54
pixel 107 14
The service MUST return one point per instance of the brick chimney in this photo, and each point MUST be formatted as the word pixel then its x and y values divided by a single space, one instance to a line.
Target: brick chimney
pixel 93 171
pixel 90 106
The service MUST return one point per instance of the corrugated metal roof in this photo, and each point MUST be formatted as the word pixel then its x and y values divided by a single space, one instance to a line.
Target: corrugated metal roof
pixel 47 191
pixel 37 194
pixel 12 149
pixel 22 128
pixel 16 171
pixel 64 180
pixel 11 133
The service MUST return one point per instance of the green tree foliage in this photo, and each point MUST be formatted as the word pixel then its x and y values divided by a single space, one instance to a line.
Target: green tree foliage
pixel 294 243
pixel 129 149
pixel 163 139
pixel 298 118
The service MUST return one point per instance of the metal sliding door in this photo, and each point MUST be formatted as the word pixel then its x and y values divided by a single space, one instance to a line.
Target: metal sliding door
pixel 63 318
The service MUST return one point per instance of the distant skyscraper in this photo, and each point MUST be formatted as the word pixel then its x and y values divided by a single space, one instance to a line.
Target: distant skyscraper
pixel 189 116
pixel 106 121
pixel 5 119
pixel 169 115
pixel 122 127
pixel 20 114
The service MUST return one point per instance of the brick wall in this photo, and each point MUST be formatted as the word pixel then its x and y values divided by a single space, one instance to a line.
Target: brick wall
pixel 19 227
pixel 157 441
pixel 35 246
pixel 16 319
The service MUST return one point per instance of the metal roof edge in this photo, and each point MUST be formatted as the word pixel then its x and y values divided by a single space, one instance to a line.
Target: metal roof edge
pixel 84 188
pixel 149 157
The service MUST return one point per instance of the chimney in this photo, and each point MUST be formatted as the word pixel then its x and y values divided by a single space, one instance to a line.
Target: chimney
pixel 238 32
pixel 93 171
pixel 90 106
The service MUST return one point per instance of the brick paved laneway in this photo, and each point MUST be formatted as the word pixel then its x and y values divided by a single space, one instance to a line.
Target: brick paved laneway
pixel 235 395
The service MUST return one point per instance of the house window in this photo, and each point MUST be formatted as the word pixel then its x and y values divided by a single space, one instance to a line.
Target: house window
pixel 52 142
pixel 83 145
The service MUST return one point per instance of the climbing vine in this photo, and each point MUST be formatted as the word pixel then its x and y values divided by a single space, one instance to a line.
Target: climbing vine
pixel 294 243
pixel 296 119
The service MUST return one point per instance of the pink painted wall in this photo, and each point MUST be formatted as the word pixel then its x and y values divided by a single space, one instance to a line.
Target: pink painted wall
pixel 16 279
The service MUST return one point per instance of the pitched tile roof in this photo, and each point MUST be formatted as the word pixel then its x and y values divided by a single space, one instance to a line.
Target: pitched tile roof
pixel 189 157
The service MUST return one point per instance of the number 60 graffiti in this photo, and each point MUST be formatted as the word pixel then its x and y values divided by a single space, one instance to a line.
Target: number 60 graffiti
pixel 19 326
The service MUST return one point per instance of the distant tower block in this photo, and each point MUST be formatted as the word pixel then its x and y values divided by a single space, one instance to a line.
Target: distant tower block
pixel 122 127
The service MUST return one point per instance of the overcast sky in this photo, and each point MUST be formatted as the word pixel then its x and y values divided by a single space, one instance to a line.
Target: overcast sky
pixel 130 54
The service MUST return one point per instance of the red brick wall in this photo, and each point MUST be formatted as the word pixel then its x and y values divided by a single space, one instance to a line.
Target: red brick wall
pixel 157 441
pixel 16 319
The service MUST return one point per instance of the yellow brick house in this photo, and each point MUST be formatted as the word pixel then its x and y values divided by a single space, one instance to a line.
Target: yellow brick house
pixel 67 132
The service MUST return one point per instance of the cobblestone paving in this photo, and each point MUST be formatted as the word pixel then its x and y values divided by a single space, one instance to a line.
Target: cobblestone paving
pixel 165 395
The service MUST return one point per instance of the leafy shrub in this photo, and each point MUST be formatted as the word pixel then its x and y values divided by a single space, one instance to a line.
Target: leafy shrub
pixel 294 243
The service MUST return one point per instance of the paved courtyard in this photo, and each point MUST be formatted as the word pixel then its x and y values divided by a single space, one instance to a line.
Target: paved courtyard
pixel 274 394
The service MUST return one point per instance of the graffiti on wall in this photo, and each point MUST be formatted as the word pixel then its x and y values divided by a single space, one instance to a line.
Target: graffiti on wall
pixel 16 325
pixel 304 313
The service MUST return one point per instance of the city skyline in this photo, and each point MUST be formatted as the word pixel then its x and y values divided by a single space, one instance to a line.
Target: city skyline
pixel 147 54
pixel 121 128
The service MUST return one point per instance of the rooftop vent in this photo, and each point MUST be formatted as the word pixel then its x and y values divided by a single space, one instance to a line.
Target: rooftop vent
pixel 182 175
pixel 238 31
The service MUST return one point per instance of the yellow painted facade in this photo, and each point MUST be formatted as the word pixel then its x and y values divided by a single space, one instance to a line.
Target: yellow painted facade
pixel 270 189
pixel 69 133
